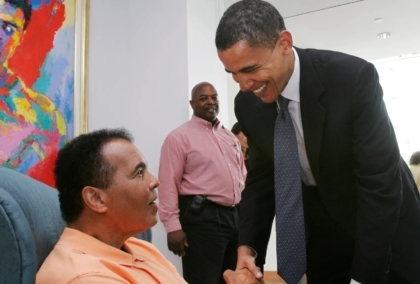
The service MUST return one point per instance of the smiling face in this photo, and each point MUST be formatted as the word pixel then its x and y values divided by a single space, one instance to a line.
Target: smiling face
pixel 12 21
pixel 205 103
pixel 261 70
pixel 130 199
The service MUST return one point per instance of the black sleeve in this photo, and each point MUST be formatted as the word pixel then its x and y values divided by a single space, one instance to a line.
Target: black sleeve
pixel 257 203
pixel 376 165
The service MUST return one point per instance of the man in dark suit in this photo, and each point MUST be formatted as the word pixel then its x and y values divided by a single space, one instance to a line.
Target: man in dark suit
pixel 361 212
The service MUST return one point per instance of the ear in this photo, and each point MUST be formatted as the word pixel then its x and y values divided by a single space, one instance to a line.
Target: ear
pixel 285 41
pixel 192 104
pixel 94 199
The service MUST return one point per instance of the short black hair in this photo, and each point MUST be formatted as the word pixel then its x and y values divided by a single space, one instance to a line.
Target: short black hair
pixel 415 158
pixel 254 21
pixel 26 8
pixel 236 128
pixel 80 164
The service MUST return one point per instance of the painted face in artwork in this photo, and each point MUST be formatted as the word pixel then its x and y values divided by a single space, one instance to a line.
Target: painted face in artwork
pixel 12 21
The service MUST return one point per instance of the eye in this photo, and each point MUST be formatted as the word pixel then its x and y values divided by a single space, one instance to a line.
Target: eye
pixel 8 28
pixel 140 173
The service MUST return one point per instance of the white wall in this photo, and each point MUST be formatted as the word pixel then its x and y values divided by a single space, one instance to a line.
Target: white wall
pixel 203 62
pixel 138 77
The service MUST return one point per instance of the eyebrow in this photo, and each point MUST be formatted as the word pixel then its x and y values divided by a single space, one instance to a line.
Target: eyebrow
pixel 246 69
pixel 139 166
pixel 12 24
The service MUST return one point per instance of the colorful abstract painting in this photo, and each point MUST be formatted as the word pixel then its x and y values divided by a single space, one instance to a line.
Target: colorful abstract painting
pixel 37 51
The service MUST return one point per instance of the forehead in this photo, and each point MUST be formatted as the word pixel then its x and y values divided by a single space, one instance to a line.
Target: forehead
pixel 122 154
pixel 241 55
pixel 207 90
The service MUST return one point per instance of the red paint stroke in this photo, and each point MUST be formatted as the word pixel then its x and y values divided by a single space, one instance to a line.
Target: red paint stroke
pixel 37 41
pixel 44 170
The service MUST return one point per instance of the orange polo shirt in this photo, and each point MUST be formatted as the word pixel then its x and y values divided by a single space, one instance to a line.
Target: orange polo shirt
pixel 80 258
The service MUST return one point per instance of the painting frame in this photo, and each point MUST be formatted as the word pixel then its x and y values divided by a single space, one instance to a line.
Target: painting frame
pixel 81 68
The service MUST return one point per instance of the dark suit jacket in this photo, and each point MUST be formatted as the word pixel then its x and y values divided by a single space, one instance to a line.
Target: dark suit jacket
pixel 353 154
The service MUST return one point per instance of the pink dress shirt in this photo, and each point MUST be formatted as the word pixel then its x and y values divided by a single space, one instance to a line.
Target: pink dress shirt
pixel 199 158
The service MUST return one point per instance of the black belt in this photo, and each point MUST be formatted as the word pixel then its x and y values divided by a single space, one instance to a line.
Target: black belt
pixel 210 203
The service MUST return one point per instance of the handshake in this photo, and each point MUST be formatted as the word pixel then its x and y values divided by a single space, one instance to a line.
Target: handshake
pixel 246 271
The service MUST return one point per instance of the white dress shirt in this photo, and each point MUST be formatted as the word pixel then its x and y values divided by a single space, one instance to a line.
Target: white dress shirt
pixel 292 92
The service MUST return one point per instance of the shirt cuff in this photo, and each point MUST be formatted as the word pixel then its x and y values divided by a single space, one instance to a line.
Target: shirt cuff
pixel 172 226
pixel 254 253
pixel 354 282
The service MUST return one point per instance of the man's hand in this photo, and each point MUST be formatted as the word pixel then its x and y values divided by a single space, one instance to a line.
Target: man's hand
pixel 241 276
pixel 177 240
pixel 246 260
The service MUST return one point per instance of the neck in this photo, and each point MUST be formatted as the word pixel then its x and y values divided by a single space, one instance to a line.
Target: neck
pixel 291 67
pixel 100 230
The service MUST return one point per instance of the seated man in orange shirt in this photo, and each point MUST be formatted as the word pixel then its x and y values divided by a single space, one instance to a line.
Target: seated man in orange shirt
pixel 107 195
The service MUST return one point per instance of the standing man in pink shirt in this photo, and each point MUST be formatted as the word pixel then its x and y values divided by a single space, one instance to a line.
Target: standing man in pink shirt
pixel 202 174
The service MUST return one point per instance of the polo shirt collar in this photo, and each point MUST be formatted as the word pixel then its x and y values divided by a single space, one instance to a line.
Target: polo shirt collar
pixel 90 245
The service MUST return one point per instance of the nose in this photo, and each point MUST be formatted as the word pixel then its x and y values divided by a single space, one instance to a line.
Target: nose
pixel 211 101
pixel 245 84
pixel 154 182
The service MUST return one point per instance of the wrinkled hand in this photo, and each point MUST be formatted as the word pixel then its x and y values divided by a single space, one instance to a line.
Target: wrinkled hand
pixel 177 241
pixel 246 260
pixel 241 276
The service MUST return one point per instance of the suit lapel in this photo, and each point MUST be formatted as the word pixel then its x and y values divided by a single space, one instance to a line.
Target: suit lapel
pixel 312 112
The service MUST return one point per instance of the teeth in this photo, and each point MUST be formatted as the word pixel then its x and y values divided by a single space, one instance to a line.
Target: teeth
pixel 260 89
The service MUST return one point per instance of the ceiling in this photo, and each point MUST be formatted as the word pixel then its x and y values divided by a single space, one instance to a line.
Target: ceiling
pixel 350 27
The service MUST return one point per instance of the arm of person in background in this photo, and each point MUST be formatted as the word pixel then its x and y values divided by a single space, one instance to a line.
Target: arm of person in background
pixel 171 169
pixel 376 165
pixel 241 161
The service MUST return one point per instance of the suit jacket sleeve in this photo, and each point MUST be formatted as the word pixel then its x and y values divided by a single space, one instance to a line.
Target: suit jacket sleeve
pixel 376 165
pixel 257 203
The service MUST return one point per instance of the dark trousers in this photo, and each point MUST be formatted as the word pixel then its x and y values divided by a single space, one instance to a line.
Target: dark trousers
pixel 212 236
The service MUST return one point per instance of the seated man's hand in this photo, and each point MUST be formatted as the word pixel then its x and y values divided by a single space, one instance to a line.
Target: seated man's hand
pixel 240 276
pixel 246 259
pixel 177 241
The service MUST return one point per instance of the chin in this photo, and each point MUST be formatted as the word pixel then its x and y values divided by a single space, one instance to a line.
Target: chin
pixel 268 100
